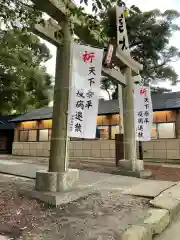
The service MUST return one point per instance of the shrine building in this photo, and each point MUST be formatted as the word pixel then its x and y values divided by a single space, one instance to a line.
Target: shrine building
pixel 32 132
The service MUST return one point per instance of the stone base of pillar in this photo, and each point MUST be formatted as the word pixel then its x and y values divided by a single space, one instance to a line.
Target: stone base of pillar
pixel 56 188
pixel 127 164
pixel 56 181
pixel 125 169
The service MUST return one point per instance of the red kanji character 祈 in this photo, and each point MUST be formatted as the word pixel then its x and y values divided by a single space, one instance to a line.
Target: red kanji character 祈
pixel 143 91
pixel 88 57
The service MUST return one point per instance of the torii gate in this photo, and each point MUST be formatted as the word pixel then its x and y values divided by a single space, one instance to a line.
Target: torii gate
pixel 52 32
pixel 59 143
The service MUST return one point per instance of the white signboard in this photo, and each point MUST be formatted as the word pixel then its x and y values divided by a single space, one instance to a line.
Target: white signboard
pixel 84 92
pixel 122 38
pixel 143 113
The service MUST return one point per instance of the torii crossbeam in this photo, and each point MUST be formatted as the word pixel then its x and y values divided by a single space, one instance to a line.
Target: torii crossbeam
pixel 52 32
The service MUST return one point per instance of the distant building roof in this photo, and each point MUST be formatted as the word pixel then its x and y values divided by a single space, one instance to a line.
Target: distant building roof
pixel 161 101
pixel 5 123
pixel 166 101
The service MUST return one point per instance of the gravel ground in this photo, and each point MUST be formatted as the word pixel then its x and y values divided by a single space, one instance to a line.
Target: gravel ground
pixel 164 173
pixel 158 172
pixel 101 216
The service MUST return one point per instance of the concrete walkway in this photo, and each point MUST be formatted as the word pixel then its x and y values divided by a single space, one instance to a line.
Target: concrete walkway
pixel 127 185
pixel 20 169
pixel 160 171
pixel 86 177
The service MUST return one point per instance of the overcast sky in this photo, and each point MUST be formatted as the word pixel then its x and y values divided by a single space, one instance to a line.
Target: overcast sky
pixel 144 5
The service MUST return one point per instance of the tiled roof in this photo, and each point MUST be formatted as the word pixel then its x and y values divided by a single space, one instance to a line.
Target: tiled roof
pixel 5 124
pixel 37 114
pixel 165 101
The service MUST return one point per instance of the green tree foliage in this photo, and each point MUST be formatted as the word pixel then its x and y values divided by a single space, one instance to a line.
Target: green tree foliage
pixel 18 13
pixel 106 85
pixel 24 82
pixel 160 89
pixel 149 36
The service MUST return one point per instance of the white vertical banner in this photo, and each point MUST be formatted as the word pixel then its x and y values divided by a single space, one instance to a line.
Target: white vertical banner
pixel 143 112
pixel 122 37
pixel 85 90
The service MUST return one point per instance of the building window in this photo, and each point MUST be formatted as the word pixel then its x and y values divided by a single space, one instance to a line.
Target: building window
pixel 164 125
pixel 166 130
pixel 32 135
pixel 103 132
pixel 114 131
pixel 163 130
pixel 28 136
pixel 44 135
pixel 23 136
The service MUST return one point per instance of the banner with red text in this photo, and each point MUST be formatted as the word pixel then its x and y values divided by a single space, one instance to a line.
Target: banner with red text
pixel 84 91
pixel 143 112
